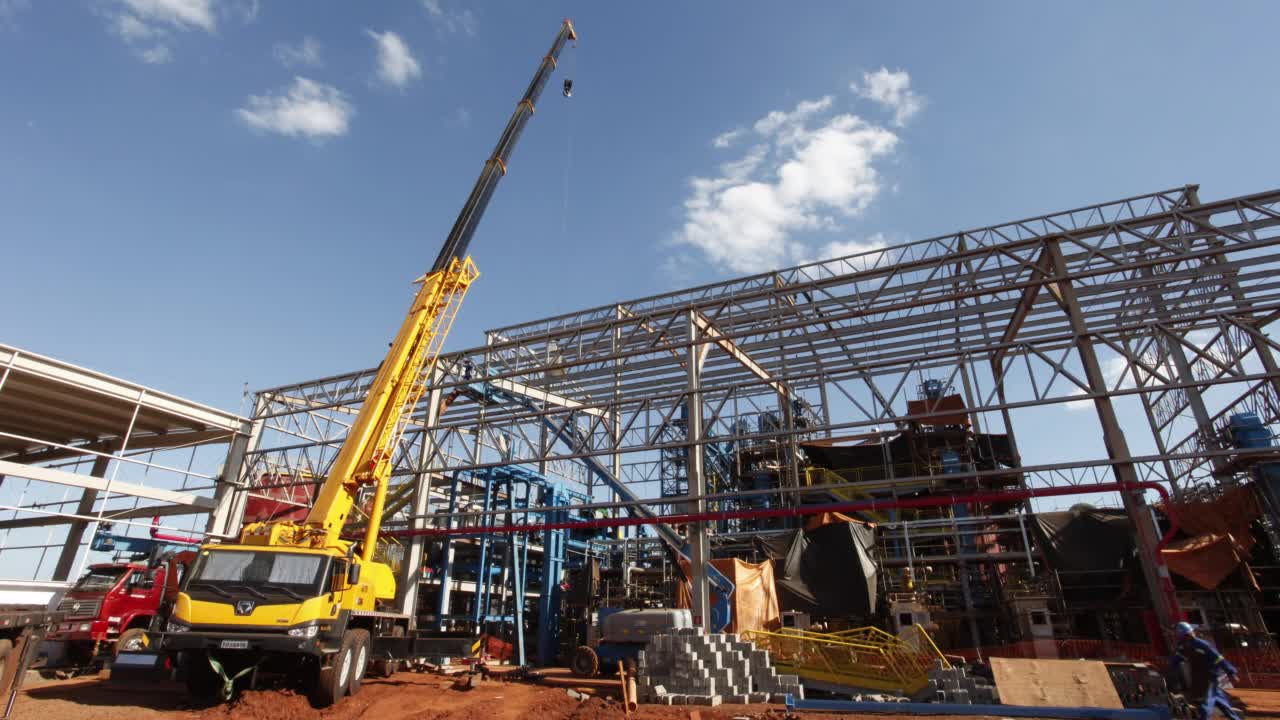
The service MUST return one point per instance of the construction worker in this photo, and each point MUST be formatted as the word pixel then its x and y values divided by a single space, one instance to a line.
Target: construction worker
pixel 1205 667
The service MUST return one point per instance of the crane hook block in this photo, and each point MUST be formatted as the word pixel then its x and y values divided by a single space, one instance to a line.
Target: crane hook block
pixel 568 88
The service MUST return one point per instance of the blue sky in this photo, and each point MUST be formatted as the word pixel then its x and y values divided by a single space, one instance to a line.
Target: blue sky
pixel 198 194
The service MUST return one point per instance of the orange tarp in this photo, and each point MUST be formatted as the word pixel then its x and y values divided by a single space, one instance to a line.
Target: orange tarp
pixel 1205 560
pixel 755 597
pixel 814 522
pixel 1220 540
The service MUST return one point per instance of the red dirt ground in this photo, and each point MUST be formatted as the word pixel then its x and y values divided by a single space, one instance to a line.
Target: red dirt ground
pixel 406 696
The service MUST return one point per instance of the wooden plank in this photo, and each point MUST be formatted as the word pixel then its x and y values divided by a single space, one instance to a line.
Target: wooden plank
pixel 1054 683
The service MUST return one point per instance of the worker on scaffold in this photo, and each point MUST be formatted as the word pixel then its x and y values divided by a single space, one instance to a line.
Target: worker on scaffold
pixel 1205 668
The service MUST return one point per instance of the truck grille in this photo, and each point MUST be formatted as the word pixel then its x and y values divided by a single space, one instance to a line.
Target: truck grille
pixel 79 608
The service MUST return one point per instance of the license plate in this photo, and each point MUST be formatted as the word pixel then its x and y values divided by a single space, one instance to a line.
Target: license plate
pixel 234 645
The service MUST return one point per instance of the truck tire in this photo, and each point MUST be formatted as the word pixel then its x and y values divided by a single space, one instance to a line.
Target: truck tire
pixel 203 684
pixel 131 640
pixel 6 649
pixel 359 659
pixel 332 682
pixel 585 662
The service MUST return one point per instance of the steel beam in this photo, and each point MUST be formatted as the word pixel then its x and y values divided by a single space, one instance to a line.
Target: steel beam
pixel 62 477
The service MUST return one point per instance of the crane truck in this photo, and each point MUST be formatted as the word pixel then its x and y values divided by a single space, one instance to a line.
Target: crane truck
pixel 297 598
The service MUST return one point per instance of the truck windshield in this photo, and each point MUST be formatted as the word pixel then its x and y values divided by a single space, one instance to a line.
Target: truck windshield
pixel 100 578
pixel 265 571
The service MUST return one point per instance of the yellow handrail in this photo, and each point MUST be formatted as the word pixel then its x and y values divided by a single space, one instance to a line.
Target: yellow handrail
pixel 866 657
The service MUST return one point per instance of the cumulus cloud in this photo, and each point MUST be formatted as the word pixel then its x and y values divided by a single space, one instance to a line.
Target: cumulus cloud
pixel 308 109
pixel 449 20
pixel 806 169
pixel 304 54
pixel 891 89
pixel 396 64
pixel 727 139
pixel 148 27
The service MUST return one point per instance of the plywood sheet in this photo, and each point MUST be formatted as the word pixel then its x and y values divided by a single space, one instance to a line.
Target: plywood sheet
pixel 1054 683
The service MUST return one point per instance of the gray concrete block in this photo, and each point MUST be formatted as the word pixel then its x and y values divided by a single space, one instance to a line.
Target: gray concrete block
pixel 710 700
pixel 758 697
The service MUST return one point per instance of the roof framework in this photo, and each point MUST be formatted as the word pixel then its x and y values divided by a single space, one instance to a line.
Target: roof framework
pixel 1173 294
pixel 78 447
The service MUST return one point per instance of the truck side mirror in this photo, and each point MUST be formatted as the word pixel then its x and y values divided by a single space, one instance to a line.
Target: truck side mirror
pixel 353 574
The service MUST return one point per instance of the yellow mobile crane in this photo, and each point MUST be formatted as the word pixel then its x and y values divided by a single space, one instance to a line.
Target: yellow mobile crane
pixel 296 598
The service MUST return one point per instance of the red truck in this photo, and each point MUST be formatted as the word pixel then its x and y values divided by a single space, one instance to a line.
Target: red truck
pixel 111 607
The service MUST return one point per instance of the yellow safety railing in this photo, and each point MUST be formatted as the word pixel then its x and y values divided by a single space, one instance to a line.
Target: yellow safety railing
pixel 867 657
pixel 817 477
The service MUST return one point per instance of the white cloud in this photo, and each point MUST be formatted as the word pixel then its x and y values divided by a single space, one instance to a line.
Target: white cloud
pixel 148 26
pixel 860 253
pixel 809 169
pixel 727 139
pixel 462 117
pixel 893 90
pixel 396 64
pixel 305 54
pixel 182 14
pixel 156 55
pixel 450 21
pixel 308 108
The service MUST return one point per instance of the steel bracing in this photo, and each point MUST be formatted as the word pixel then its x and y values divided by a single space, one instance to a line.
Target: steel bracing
pixel 1158 301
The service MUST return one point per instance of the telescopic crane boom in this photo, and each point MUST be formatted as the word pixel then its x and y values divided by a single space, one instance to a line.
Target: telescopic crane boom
pixel 366 456
pixel 295 598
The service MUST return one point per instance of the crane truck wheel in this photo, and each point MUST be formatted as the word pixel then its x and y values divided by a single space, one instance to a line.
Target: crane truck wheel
pixel 131 640
pixel 332 682
pixel 360 659
pixel 6 648
pixel 585 662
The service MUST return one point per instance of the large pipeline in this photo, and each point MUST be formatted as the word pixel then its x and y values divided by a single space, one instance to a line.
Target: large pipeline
pixel 802 510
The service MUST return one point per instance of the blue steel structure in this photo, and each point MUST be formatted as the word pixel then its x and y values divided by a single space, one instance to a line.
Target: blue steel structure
pixel 514 487
pixel 569 434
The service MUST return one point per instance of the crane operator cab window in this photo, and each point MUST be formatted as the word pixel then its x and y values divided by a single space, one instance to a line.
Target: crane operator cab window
pixel 295 576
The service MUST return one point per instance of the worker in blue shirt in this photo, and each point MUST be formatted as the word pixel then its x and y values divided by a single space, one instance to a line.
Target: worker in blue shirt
pixel 1205 666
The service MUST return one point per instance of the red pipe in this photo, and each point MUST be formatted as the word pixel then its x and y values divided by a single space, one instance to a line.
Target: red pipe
pixel 843 507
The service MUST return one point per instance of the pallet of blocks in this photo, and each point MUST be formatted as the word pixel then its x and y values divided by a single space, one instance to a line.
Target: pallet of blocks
pixel 690 667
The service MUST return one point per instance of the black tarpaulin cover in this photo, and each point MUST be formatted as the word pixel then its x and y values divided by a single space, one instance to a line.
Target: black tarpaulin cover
pixel 1084 539
pixel 827 571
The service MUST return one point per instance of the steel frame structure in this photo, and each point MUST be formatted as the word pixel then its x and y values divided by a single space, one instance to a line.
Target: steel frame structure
pixel 1158 297
pixel 79 447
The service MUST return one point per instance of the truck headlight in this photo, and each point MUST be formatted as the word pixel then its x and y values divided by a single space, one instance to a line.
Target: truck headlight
pixel 84 627
pixel 308 631
pixel 173 627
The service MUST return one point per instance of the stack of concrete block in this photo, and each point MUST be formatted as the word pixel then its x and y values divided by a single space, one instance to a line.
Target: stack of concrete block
pixel 689 667
pixel 954 685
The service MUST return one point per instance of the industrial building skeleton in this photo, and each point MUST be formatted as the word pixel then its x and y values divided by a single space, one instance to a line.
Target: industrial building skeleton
pixel 1013 316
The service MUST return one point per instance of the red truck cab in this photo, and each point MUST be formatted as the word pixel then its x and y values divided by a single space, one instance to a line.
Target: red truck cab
pixel 113 604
